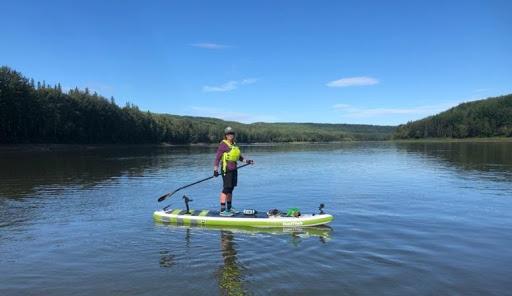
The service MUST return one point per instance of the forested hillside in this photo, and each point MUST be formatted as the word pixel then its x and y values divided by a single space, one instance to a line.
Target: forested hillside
pixel 33 112
pixel 484 118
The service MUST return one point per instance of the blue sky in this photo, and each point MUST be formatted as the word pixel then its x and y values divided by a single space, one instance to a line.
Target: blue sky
pixel 376 62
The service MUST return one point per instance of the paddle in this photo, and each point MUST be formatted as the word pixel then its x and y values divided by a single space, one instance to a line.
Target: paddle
pixel 163 197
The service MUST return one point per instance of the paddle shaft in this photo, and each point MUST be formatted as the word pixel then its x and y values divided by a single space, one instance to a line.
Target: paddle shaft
pixel 163 197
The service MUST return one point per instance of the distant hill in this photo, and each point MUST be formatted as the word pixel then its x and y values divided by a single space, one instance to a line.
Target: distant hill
pixel 33 112
pixel 484 118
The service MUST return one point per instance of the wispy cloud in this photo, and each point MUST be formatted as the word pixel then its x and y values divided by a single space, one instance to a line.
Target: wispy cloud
pixel 229 115
pixel 229 86
pixel 209 45
pixel 248 81
pixel 341 106
pixel 353 81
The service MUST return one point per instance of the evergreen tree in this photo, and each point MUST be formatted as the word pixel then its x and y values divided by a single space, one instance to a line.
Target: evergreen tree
pixel 48 115
pixel 483 118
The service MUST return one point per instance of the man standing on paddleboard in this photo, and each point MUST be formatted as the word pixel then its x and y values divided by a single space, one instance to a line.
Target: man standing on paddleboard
pixel 229 153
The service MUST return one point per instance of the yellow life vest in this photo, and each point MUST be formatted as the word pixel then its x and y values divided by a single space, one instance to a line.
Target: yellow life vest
pixel 232 155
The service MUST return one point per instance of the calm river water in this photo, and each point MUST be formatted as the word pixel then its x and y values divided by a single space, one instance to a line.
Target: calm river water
pixel 410 219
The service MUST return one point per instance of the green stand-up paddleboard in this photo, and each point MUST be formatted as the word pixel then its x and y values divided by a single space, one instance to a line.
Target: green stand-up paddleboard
pixel 213 218
pixel 248 218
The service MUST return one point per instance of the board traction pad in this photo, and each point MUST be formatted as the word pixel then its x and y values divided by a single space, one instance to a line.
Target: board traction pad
pixel 208 213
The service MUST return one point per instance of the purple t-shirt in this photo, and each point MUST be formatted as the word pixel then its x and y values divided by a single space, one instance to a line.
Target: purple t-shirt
pixel 223 147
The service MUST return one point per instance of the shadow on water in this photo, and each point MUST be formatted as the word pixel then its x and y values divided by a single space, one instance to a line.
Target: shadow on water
pixel 231 275
pixel 24 172
pixel 476 156
pixel 29 174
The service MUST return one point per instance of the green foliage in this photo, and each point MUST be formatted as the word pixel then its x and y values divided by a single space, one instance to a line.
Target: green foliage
pixel 45 114
pixel 491 117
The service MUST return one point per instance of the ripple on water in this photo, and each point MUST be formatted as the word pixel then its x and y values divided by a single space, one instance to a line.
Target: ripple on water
pixel 409 219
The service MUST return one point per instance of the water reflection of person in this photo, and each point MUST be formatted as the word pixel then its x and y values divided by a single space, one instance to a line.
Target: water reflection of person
pixel 230 274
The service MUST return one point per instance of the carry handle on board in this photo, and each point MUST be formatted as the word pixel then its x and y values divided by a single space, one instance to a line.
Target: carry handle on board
pixel 163 197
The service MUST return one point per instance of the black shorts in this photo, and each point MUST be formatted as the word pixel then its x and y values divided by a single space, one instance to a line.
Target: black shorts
pixel 229 181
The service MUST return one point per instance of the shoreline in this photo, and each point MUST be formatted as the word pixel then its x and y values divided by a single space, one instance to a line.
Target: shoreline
pixel 455 140
pixel 85 147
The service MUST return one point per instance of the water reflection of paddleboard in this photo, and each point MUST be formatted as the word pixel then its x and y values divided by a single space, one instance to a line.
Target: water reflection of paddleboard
pixel 322 231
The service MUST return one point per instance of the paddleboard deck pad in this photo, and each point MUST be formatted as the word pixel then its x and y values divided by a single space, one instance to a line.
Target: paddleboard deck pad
pixel 213 218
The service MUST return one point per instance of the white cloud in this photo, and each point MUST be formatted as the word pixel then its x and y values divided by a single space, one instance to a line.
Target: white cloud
pixel 229 115
pixel 209 45
pixel 353 81
pixel 248 81
pixel 341 106
pixel 228 86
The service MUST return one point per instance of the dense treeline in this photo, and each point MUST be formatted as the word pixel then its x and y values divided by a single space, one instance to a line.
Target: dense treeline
pixel 39 113
pixel 484 118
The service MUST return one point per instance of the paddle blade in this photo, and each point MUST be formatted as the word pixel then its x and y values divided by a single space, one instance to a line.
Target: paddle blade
pixel 163 197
